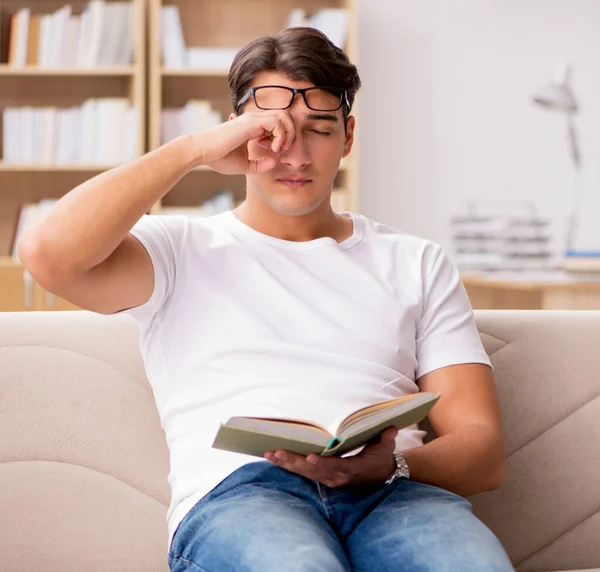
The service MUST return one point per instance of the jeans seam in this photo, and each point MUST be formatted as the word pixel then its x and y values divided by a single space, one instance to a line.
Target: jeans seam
pixel 190 563
pixel 323 497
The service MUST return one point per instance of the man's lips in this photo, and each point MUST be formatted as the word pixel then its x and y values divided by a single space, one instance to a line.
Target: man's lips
pixel 294 179
pixel 294 182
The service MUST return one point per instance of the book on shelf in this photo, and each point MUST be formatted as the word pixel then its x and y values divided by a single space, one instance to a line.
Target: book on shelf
pixel 257 435
pixel 27 215
pixel 211 58
pixel 102 35
pixel 195 116
pixel 173 49
pixel 333 22
pixel 102 131
pixel 176 54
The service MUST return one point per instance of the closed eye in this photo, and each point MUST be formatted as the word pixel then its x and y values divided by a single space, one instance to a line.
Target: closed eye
pixel 324 133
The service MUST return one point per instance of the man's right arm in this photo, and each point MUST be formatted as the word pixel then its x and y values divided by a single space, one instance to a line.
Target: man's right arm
pixel 82 250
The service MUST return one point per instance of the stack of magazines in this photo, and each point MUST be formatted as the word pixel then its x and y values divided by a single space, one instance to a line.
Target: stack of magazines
pixel 487 242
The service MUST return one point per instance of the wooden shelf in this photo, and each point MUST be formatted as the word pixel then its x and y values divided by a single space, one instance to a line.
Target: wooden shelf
pixel 6 70
pixel 194 72
pixel 49 168
pixel 9 262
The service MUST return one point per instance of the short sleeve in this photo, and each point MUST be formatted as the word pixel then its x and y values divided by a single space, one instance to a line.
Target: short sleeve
pixel 160 236
pixel 447 333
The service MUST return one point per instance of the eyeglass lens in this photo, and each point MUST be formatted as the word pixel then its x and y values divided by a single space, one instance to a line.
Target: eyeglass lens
pixel 280 98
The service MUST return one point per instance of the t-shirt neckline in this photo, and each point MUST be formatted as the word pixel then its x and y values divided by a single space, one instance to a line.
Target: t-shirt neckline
pixel 237 227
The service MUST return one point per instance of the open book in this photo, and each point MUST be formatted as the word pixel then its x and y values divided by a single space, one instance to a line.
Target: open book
pixel 257 435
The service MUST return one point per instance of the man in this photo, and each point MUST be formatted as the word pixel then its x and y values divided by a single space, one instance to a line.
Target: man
pixel 286 308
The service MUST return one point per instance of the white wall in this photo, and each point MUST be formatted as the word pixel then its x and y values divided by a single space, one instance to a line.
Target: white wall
pixel 446 114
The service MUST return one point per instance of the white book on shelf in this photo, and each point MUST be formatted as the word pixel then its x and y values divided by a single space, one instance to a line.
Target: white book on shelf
pixel 124 41
pixel 211 58
pixel 203 115
pixel 172 42
pixel 36 146
pixel 333 22
pixel 131 133
pixel 73 134
pixel 114 109
pixel 170 125
pixel 47 139
pixel 57 148
pixel 9 134
pixel 22 30
pixel 18 125
pixel 89 132
pixel 83 39
pixel 112 29
pixel 68 56
pixel 102 134
pixel 29 126
pixel 97 23
pixel 45 40
pixel 297 18
pixel 58 35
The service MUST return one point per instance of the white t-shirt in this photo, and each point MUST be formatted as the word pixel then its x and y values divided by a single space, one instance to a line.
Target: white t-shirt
pixel 241 323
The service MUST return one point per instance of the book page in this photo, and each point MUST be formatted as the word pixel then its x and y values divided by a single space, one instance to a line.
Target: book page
pixel 373 414
pixel 374 408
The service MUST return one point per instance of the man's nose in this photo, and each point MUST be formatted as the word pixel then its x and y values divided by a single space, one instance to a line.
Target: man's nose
pixel 298 155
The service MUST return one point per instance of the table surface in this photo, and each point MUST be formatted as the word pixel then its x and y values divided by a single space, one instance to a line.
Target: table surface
pixel 545 280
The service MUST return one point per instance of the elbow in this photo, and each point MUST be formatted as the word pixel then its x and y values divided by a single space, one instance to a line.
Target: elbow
pixel 29 252
pixel 38 261
pixel 495 475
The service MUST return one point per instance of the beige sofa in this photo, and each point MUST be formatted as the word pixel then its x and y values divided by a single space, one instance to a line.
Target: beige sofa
pixel 84 462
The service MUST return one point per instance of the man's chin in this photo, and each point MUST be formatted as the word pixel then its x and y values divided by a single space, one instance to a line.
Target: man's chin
pixel 293 206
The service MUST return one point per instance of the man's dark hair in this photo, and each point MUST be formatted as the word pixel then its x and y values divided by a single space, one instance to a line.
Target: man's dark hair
pixel 299 54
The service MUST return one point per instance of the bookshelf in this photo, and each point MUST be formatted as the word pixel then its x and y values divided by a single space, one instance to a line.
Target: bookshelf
pixel 67 79
pixel 225 24
pixel 149 86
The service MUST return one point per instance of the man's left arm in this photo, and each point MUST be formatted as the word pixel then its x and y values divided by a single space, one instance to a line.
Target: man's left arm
pixel 467 457
pixel 469 453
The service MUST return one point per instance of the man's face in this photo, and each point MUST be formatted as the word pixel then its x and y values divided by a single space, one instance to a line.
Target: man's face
pixel 304 174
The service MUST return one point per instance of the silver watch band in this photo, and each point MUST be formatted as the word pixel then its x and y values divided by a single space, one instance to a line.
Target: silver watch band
pixel 401 471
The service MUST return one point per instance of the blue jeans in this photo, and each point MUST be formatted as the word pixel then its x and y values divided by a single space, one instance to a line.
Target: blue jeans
pixel 263 518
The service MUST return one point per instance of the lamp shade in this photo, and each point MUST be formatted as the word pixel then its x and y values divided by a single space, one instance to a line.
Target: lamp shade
pixel 557 94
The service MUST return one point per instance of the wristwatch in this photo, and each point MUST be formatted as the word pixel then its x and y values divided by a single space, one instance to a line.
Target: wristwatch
pixel 401 471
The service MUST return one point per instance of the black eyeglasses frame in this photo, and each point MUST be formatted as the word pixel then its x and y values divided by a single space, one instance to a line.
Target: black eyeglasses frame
pixel 295 91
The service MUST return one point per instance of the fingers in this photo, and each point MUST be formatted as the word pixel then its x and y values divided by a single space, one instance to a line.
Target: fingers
pixel 289 128
pixel 274 129
pixel 278 136
pixel 389 434
pixel 260 165
pixel 328 471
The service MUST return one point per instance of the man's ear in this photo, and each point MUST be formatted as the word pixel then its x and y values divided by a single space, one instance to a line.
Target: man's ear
pixel 350 125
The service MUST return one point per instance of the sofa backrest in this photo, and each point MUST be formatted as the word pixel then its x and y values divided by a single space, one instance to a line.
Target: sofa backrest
pixel 84 463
